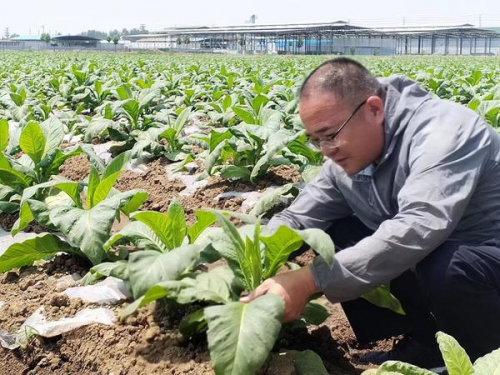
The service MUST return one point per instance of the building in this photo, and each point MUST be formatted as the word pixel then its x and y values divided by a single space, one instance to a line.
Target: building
pixel 338 37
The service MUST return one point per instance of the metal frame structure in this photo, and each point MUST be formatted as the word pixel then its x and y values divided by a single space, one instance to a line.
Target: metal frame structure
pixel 328 38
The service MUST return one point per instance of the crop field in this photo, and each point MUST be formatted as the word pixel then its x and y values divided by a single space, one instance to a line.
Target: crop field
pixel 134 193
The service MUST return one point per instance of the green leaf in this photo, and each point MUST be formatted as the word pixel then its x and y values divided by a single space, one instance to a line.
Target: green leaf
pixel 124 92
pixel 279 246
pixel 160 224
pixel 203 220
pixel 240 336
pixel 181 120
pixel 148 268
pixel 53 130
pixel 233 172
pixel 133 111
pixel 307 363
pixel 11 177
pixel 32 141
pixel 25 253
pixel 178 222
pixel 86 229
pixel 97 128
pixel 489 364
pixel 102 190
pixel 8 207
pixel 4 135
pixel 212 158
pixel 383 297
pixel 31 210
pixel 315 313
pixel 136 201
pixel 320 242
pixel 92 185
pixel 456 359
pixel 140 235
pixel 117 164
pixel 217 137
pixel 272 198
pixel 244 115
pixel 193 323
pixel 258 102
pixel 277 141
pixel 118 269
pixel 227 102
pixel 401 368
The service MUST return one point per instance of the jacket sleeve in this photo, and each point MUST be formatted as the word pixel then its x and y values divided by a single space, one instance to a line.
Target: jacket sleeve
pixel 316 206
pixel 446 157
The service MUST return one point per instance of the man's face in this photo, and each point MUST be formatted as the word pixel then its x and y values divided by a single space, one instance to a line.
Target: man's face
pixel 359 143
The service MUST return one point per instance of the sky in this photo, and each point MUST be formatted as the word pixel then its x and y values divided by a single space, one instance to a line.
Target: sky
pixel 32 17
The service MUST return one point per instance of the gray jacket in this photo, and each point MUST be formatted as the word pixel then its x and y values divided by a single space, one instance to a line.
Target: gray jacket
pixel 438 180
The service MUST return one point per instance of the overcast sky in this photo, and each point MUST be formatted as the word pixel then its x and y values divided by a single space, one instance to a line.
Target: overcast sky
pixel 73 17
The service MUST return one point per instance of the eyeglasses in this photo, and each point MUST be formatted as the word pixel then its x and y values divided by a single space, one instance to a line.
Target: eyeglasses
pixel 330 141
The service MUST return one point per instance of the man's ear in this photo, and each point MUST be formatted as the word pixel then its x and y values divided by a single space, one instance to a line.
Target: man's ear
pixel 376 108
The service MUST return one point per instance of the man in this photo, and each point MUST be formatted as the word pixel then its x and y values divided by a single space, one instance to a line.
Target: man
pixel 410 194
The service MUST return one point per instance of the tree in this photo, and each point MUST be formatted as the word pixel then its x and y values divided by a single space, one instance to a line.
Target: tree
pixel 45 37
pixel 116 39
pixel 187 40
pixel 179 41
pixel 109 39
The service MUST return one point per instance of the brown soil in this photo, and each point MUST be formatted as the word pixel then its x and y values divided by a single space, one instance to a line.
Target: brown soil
pixel 147 343
pixel 75 168
pixel 205 196
pixel 160 189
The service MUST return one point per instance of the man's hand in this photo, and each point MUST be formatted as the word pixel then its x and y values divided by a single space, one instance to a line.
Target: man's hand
pixel 294 287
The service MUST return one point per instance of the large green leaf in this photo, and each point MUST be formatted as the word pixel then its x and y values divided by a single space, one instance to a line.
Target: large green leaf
pixel 33 141
pixel 86 229
pixel 140 235
pixel 216 286
pixel 97 127
pixel 307 363
pixel 272 198
pixel 160 224
pixel 401 368
pixel 279 246
pixel 8 207
pixel 456 359
pixel 244 115
pixel 4 135
pixel 315 313
pixel 489 364
pixel 240 336
pixel 132 109
pixel 118 269
pixel 181 120
pixel 147 268
pixel 178 222
pixel 203 220
pixel 320 242
pixel 25 253
pixel 277 141
pixel 53 130
pixel 12 178
pixel 193 323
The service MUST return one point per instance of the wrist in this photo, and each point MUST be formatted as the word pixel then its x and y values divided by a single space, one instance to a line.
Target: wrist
pixel 309 281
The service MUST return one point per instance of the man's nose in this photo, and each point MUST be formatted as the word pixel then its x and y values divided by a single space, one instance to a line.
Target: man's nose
pixel 329 151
